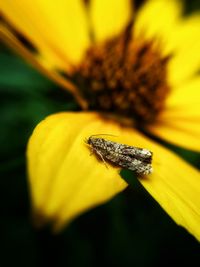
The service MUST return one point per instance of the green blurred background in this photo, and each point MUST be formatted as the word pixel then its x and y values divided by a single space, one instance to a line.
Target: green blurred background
pixel 130 230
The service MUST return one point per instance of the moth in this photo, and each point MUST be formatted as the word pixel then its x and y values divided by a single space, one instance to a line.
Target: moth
pixel 128 157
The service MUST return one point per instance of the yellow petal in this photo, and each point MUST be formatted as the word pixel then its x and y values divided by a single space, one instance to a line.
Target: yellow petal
pixel 108 18
pixel 184 101
pixel 186 45
pixel 179 132
pixel 66 180
pixel 179 123
pixel 176 187
pixel 156 19
pixel 39 63
pixel 57 28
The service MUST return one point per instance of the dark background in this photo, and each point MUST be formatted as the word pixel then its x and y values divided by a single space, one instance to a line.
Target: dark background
pixel 130 230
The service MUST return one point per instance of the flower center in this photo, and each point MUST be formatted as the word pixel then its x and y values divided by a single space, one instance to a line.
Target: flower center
pixel 126 76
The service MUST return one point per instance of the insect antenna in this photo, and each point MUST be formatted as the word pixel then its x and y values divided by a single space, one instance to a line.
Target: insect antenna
pixel 93 135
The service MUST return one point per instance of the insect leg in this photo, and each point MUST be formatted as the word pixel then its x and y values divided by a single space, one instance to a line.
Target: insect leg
pixel 100 155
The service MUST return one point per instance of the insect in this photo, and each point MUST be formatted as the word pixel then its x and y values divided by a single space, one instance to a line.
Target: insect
pixel 128 157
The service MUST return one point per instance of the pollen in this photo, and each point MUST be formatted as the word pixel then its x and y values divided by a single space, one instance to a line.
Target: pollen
pixel 126 76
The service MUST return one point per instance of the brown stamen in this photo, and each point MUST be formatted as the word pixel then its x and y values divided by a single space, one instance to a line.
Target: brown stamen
pixel 126 76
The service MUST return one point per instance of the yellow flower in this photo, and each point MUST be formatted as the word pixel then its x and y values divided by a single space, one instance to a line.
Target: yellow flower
pixel 140 68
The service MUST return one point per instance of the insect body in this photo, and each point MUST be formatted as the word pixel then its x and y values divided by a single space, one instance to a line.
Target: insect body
pixel 128 157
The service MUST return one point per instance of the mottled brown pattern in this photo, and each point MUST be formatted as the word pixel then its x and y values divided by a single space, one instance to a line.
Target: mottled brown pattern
pixel 128 157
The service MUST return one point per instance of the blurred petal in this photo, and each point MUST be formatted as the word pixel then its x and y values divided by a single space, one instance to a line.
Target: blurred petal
pixel 109 18
pixel 179 132
pixel 58 28
pixel 157 18
pixel 40 64
pixel 66 181
pixel 186 45
pixel 184 101
pixel 178 36
pixel 180 121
